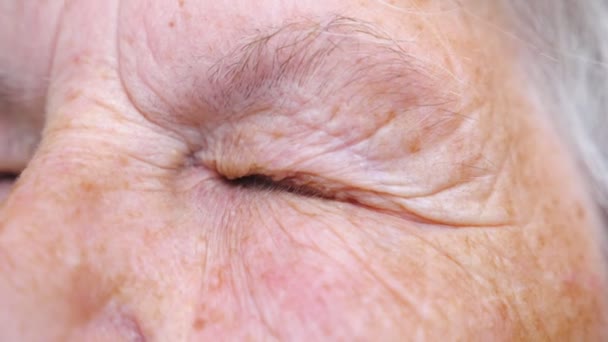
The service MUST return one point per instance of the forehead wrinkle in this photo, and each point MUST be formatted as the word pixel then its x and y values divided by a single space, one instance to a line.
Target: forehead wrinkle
pixel 318 57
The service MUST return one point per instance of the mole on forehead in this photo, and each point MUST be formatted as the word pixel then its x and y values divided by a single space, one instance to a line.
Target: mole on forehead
pixel 319 57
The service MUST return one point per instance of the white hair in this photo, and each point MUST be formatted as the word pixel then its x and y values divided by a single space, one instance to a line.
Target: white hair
pixel 565 45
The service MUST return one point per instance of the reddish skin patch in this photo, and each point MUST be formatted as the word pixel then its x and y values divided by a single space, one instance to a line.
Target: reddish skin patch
pixel 199 324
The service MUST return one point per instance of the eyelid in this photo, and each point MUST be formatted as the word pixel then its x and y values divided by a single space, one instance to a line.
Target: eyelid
pixel 317 187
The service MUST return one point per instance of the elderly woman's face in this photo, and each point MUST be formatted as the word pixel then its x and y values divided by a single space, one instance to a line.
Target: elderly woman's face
pixel 258 170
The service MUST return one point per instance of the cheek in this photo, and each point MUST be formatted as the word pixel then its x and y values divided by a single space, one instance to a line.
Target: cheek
pixel 301 267
pixel 274 271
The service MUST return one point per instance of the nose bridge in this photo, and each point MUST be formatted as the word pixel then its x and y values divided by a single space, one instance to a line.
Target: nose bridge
pixel 84 166
pixel 97 151
pixel 98 218
pixel 45 223
pixel 81 226
pixel 58 174
pixel 96 147
pixel 78 157
pixel 100 164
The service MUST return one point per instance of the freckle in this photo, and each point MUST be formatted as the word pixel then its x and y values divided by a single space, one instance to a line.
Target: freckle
pixel 541 241
pixel 87 186
pixel 415 145
pixel 216 281
pixel 447 61
pixel 134 214
pixel 124 185
pixel 101 248
pixel 208 316
pixel 198 324
pixel 104 76
pixel 123 161
pixel 580 212
pixel 77 212
pixel 172 24
pixel 503 311
pixel 335 111
pixel 73 95
pixel 509 207
pixel 182 3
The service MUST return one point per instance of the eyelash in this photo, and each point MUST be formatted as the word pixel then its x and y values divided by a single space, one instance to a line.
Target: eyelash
pixel 265 183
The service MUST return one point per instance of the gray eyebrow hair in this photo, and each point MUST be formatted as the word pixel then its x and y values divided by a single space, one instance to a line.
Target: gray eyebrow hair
pixel 322 56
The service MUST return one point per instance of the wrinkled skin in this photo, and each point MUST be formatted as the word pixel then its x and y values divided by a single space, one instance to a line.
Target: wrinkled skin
pixel 180 186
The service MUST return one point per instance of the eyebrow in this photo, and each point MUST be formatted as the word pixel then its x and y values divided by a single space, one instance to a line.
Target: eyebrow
pixel 321 57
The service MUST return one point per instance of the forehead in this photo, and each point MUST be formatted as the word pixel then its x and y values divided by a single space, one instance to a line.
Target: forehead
pixel 211 48
pixel 178 42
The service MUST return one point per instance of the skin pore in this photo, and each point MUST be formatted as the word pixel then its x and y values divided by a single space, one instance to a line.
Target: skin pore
pixel 240 170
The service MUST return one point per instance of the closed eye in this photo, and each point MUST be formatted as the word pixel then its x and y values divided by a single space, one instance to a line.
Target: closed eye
pixel 8 176
pixel 266 183
pixel 253 182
